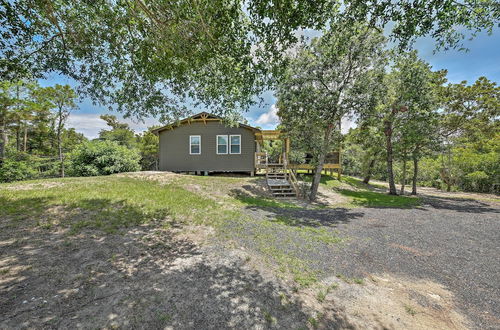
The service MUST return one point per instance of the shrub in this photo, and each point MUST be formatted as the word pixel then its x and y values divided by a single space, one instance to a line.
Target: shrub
pixel 477 181
pixel 103 158
pixel 14 170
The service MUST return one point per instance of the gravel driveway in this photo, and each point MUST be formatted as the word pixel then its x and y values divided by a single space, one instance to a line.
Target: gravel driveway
pixel 453 242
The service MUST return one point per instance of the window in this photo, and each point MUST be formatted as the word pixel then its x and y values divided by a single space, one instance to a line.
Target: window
pixel 222 144
pixel 235 144
pixel 228 144
pixel 194 145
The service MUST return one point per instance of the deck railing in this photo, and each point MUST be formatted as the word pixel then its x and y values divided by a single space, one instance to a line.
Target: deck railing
pixel 261 159
pixel 294 182
pixel 330 158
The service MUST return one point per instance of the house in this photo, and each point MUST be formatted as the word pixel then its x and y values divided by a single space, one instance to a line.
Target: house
pixel 203 143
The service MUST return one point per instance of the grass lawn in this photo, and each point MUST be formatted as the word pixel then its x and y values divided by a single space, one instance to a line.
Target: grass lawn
pixel 113 203
pixel 363 195
pixel 106 203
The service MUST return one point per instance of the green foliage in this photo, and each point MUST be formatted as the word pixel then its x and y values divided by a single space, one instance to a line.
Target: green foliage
pixel 121 133
pixel 148 147
pixel 477 181
pixel 333 77
pixel 274 150
pixel 220 53
pixel 13 170
pixel 103 158
pixel 363 152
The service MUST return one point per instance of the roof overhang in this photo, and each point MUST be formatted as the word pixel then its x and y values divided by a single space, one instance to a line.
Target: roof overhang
pixel 270 135
pixel 203 117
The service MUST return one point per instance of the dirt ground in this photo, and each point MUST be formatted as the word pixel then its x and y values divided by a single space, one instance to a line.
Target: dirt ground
pixel 148 277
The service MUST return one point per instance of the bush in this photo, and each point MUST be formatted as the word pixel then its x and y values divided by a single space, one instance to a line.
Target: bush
pixel 103 158
pixel 477 181
pixel 14 170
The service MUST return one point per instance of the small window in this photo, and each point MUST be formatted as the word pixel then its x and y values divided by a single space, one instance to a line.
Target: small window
pixel 194 145
pixel 235 144
pixel 222 143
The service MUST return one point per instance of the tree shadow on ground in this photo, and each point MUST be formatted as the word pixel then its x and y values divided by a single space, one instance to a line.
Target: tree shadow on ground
pixel 313 217
pixel 376 199
pixel 95 213
pixel 467 205
pixel 144 276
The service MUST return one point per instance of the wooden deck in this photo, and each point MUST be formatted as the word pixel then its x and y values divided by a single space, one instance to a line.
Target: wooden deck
pixel 298 166
pixel 311 167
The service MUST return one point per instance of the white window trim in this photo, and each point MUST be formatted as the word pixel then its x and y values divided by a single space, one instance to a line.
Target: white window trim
pixel 234 153
pixel 217 144
pixel 190 144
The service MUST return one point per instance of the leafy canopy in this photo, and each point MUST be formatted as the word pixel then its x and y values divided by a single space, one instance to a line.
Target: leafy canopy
pixel 158 57
pixel 334 76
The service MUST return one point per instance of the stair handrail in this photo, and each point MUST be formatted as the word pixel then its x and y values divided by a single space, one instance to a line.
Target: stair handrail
pixel 294 182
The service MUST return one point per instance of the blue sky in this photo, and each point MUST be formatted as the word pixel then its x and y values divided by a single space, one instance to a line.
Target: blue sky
pixel 482 59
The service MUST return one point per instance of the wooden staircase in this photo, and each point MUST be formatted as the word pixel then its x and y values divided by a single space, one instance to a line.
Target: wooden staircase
pixel 278 181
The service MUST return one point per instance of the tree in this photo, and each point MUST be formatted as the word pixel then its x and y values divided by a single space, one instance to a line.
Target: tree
pixel 371 143
pixel 469 118
pixel 63 99
pixel 419 137
pixel 119 132
pixel 409 89
pixel 7 101
pixel 148 148
pixel 332 77
pixel 220 53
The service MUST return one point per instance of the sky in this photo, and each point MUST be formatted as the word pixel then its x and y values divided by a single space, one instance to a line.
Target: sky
pixel 482 59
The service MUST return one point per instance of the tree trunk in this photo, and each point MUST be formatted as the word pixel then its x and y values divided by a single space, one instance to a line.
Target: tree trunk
pixel 368 174
pixel 317 177
pixel 403 178
pixel 321 161
pixel 415 175
pixel 3 139
pixel 61 159
pixel 18 136
pixel 25 139
pixel 59 142
pixel 388 140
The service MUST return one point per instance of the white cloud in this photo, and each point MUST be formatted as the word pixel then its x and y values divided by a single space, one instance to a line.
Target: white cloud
pixel 346 124
pixel 89 124
pixel 269 118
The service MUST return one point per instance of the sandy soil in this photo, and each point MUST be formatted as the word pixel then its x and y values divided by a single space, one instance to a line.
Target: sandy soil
pixel 148 277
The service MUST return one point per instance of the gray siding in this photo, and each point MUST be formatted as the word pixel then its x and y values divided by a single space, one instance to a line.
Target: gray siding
pixel 174 148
